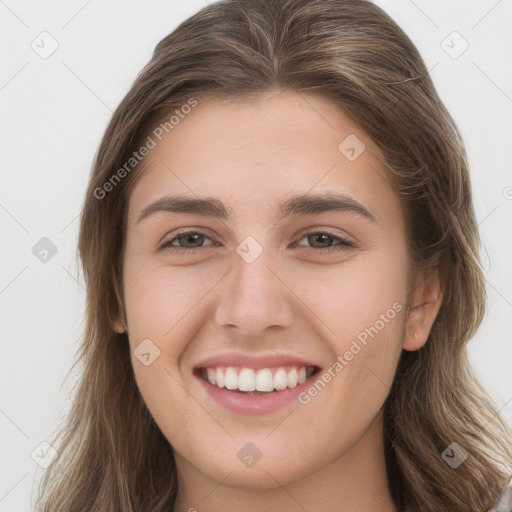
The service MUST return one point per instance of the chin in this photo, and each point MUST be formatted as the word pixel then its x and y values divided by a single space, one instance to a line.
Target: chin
pixel 264 478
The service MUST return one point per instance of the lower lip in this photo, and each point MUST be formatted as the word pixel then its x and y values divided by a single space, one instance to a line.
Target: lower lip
pixel 256 404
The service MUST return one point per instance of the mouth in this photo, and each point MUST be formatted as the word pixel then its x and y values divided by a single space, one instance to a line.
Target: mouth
pixel 256 382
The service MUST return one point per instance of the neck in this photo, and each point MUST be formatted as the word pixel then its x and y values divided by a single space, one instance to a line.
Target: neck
pixel 354 481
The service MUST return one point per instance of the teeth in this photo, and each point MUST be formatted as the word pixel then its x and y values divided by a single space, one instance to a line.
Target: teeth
pixel 210 372
pixel 264 380
pixel 292 378
pixel 231 378
pixel 254 382
pixel 247 380
pixel 280 380
pixel 219 378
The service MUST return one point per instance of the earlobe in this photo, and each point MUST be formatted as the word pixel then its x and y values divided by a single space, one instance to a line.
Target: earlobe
pixel 426 298
pixel 119 328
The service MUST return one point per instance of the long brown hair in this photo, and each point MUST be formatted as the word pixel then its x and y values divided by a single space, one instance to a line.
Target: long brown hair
pixel 112 456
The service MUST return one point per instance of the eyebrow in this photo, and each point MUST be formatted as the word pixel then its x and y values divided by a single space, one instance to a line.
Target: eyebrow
pixel 297 205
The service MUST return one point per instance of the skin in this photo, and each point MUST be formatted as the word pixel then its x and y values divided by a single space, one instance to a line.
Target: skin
pixel 251 155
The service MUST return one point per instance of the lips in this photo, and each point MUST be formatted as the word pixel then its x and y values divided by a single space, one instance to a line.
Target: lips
pixel 245 360
pixel 276 372
pixel 256 375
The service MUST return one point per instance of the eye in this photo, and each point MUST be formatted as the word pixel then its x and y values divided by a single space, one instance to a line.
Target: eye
pixel 190 241
pixel 186 241
pixel 325 242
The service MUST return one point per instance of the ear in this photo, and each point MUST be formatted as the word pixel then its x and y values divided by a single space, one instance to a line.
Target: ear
pixel 425 300
pixel 119 324
pixel 119 327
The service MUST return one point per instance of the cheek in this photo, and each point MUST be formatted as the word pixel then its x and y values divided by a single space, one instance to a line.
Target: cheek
pixel 160 297
pixel 353 295
pixel 160 304
pixel 362 302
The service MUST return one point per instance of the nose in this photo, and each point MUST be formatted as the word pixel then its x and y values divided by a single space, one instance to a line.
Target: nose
pixel 254 297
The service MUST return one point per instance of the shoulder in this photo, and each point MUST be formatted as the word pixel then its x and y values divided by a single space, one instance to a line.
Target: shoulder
pixel 504 501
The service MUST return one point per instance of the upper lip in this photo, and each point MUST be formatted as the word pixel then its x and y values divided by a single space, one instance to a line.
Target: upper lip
pixel 245 360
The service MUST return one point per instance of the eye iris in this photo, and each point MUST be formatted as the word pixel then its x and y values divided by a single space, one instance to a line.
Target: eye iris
pixel 196 238
pixel 324 239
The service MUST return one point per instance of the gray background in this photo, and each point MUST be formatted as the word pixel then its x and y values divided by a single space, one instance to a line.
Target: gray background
pixel 54 111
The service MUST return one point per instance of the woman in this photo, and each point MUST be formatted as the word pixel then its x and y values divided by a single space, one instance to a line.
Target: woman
pixel 281 257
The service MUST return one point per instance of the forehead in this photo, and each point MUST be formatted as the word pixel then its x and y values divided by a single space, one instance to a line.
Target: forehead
pixel 261 149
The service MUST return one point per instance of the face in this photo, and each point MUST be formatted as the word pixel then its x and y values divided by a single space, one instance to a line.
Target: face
pixel 293 277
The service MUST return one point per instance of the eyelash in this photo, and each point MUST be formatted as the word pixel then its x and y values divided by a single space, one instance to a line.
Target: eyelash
pixel 167 245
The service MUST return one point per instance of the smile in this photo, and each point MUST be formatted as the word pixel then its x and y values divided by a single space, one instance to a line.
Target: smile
pixel 255 391
pixel 256 382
